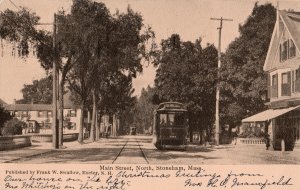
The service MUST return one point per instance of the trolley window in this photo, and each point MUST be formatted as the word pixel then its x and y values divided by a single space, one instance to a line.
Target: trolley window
pixel 176 119
pixel 163 120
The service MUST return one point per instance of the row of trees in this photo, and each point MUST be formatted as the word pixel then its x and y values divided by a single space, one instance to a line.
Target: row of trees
pixel 97 53
pixel 187 72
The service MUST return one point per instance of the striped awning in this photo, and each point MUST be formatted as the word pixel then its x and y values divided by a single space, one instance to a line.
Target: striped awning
pixel 268 114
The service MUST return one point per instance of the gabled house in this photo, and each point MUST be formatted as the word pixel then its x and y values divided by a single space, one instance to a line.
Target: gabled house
pixel 2 103
pixel 38 117
pixel 282 66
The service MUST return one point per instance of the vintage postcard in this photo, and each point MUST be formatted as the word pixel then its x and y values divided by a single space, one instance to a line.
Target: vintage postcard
pixel 149 94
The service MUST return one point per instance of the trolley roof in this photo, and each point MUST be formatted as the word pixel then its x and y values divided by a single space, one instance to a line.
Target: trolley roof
pixel 171 106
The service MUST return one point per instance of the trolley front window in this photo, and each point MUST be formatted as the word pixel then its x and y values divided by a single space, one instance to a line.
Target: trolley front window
pixel 176 119
pixel 172 120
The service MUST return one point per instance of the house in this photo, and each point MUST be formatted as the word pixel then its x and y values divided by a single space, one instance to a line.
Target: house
pixel 38 117
pixel 282 66
pixel 2 103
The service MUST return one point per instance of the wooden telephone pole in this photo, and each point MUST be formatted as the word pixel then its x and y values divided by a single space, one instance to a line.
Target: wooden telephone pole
pixel 55 144
pixel 217 121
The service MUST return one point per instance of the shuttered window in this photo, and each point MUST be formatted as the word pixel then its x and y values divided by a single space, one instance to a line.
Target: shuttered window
pixel 292 49
pixel 286 84
pixel 274 87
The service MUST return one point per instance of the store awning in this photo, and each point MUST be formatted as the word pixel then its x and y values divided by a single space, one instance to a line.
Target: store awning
pixel 268 114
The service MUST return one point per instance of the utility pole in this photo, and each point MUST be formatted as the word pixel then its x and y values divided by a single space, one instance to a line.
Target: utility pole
pixel 54 98
pixel 217 121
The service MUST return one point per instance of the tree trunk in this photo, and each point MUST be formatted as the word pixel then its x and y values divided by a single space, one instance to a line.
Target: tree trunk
pixel 61 112
pixel 118 124
pixel 114 127
pixel 97 126
pixel 201 136
pixel 92 134
pixel 80 135
pixel 191 133
pixel 208 136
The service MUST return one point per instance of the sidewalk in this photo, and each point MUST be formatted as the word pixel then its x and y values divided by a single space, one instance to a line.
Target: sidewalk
pixel 34 150
pixel 102 150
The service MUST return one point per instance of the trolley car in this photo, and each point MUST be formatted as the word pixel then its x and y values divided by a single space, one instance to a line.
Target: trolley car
pixel 170 126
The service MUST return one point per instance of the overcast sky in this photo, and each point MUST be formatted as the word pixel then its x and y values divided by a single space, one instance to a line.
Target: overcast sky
pixel 188 18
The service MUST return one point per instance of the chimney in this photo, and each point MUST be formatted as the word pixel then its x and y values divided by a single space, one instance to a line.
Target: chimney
pixel 31 100
pixel 15 101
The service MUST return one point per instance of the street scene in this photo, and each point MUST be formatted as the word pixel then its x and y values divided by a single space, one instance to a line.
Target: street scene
pixel 140 150
pixel 122 82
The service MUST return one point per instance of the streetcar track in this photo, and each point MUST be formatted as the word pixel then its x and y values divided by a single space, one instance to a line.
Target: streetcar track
pixel 143 153
pixel 120 151
pixel 124 147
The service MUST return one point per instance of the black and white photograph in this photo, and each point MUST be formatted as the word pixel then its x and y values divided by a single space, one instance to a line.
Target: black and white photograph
pixel 150 82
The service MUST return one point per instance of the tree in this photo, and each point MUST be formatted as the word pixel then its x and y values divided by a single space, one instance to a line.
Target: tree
pixel 13 127
pixel 243 81
pixel 111 49
pixel 143 110
pixel 4 116
pixel 39 92
pixel 187 73
pixel 115 40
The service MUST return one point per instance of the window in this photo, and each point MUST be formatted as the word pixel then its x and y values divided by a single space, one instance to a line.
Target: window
pixel 293 81
pixel 287 50
pixel 16 114
pixel 283 51
pixel 176 119
pixel 73 113
pixel 274 80
pixel 274 87
pixel 284 78
pixel 297 80
pixel 292 49
pixel 286 84
pixel 24 113
pixel 49 113
pixel 163 120
pixel 41 114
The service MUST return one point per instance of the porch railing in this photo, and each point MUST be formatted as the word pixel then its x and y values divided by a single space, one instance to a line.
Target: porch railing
pixel 250 141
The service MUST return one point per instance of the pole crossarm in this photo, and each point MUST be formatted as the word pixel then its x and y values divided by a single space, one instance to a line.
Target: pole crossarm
pixel 217 121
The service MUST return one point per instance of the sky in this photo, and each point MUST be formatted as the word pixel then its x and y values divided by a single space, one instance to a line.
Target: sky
pixel 188 18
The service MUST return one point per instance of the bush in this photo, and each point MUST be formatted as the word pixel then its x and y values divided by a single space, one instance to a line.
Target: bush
pixel 4 116
pixel 13 127
pixel 251 132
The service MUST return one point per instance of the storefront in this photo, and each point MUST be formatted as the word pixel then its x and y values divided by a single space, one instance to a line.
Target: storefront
pixel 280 124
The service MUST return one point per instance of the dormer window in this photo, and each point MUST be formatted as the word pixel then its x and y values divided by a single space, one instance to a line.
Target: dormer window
pixel 287 50
pixel 283 51
pixel 292 49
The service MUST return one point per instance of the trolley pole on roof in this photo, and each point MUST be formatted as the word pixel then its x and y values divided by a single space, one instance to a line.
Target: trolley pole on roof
pixel 217 121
